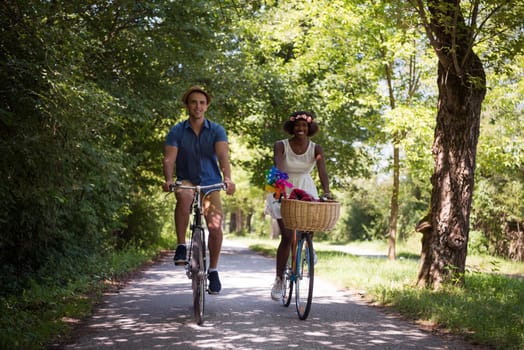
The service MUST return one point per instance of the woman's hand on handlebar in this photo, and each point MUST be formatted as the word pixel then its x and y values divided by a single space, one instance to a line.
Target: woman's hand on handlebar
pixel 327 197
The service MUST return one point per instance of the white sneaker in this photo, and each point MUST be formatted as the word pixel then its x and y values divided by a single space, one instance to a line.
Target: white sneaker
pixel 276 289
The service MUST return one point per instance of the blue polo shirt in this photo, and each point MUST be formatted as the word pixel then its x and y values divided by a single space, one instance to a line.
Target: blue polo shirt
pixel 196 159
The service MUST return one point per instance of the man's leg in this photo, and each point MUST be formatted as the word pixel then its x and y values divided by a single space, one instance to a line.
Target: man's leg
pixel 213 214
pixel 184 198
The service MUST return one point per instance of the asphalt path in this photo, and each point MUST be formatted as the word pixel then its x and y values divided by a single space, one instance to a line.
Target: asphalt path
pixel 154 311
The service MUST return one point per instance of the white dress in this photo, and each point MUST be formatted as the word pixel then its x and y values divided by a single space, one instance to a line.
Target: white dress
pixel 298 167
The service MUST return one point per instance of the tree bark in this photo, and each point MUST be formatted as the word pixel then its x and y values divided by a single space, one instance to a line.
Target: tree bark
pixel 394 205
pixel 393 217
pixel 461 83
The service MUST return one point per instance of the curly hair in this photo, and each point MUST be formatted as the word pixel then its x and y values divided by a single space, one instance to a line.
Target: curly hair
pixel 289 124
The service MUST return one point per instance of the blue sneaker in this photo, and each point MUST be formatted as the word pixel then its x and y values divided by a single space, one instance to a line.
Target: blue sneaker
pixel 180 257
pixel 214 283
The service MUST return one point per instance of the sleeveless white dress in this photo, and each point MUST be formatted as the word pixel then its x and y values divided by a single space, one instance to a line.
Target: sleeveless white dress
pixel 298 167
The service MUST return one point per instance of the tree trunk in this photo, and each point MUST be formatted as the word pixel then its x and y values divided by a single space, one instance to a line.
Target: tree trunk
pixel 249 218
pixel 233 222
pixel 454 152
pixel 394 205
pixel 236 224
pixel 461 83
pixel 393 218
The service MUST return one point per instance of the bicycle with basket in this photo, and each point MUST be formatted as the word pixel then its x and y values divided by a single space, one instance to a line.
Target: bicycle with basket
pixel 304 217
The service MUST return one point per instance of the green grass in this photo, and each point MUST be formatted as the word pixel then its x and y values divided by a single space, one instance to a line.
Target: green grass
pixel 489 309
pixel 46 311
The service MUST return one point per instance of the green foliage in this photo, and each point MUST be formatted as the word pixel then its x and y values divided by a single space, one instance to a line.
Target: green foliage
pixel 477 242
pixel 294 51
pixel 82 122
pixel 415 124
pixel 498 209
pixel 46 310
pixel 367 210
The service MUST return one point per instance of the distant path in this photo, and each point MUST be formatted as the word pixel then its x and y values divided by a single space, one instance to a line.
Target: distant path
pixel 155 312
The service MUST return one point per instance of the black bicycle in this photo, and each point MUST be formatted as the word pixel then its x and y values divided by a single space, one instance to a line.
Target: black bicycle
pixel 196 266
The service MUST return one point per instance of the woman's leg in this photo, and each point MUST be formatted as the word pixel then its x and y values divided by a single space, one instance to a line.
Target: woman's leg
pixel 286 238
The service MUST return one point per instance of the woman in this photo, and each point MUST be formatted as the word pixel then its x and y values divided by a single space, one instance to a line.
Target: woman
pixel 297 156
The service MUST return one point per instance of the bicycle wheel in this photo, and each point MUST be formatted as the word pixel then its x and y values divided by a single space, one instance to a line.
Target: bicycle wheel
pixel 304 275
pixel 287 290
pixel 198 269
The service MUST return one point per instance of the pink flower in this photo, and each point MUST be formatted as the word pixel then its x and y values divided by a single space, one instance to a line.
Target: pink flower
pixel 305 117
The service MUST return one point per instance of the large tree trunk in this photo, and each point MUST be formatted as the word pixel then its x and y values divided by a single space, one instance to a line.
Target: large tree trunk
pixel 461 83
pixel 454 151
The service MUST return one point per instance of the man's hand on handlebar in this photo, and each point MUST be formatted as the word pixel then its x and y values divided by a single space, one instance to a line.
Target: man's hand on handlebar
pixel 168 186
pixel 230 186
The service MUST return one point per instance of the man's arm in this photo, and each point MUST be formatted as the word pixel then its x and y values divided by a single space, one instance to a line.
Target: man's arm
pixel 170 154
pixel 222 151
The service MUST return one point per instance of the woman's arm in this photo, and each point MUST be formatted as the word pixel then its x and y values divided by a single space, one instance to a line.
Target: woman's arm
pixel 321 167
pixel 278 154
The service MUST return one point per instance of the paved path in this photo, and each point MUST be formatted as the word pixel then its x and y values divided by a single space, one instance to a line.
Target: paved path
pixel 154 311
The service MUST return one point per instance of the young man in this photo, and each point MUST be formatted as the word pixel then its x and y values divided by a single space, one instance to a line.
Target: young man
pixel 198 149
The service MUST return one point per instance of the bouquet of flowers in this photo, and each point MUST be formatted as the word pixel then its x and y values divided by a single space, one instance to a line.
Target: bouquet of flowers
pixel 276 182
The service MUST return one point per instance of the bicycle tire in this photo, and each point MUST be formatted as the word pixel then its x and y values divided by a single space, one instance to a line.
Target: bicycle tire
pixel 287 289
pixel 304 275
pixel 198 269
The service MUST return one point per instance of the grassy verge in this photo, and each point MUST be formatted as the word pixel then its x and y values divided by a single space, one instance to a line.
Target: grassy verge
pixel 47 310
pixel 488 310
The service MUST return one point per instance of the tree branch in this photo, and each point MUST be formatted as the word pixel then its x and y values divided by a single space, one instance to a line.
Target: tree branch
pixel 458 67
pixel 474 32
pixel 419 7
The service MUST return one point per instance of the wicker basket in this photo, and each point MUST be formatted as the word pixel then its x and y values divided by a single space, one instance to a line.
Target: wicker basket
pixel 309 216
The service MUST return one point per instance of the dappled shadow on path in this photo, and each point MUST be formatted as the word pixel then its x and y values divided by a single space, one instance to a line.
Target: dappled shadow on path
pixel 155 312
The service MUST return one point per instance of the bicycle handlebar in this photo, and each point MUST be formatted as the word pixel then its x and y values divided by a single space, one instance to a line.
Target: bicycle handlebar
pixel 178 184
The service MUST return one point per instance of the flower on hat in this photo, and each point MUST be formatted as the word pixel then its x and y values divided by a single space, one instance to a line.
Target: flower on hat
pixel 305 117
